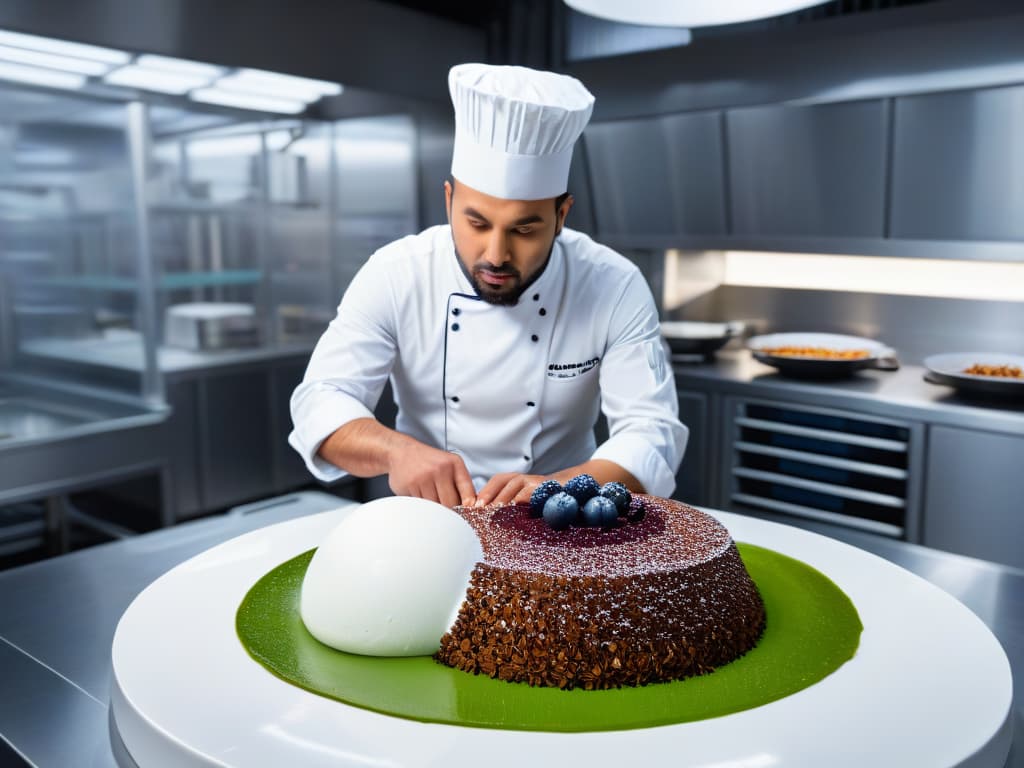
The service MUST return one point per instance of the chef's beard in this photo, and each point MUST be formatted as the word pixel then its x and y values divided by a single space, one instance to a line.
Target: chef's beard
pixel 508 297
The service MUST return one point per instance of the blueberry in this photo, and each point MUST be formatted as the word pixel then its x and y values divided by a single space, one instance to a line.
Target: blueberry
pixel 582 488
pixel 560 511
pixel 600 512
pixel 617 493
pixel 541 494
pixel 636 511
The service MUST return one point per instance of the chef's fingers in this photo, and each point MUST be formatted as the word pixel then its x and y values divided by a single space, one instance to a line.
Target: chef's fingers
pixel 446 491
pixel 524 493
pixel 490 491
pixel 427 491
pixel 512 488
pixel 464 485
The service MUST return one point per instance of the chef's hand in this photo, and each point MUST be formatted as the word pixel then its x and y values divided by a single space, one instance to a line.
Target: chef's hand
pixel 430 473
pixel 508 487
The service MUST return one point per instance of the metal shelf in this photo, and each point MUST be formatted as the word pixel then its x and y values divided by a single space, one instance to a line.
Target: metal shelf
pixel 172 281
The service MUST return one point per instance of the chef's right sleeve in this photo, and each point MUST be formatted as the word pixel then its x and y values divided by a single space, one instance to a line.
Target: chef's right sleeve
pixel 348 369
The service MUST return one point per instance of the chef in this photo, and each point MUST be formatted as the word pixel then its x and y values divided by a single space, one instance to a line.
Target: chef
pixel 503 333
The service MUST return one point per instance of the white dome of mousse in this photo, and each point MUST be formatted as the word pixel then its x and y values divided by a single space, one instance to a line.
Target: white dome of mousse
pixel 389 578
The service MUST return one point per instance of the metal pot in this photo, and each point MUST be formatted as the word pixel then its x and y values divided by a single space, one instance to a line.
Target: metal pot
pixel 690 338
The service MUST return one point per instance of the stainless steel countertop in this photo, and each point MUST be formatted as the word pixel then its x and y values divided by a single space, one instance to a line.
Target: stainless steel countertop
pixel 902 394
pixel 57 622
pixel 125 353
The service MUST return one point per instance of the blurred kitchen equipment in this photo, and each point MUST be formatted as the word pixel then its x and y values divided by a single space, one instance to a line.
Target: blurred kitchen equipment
pixel 691 338
pixel 287 178
pixel 949 369
pixel 878 355
pixel 49 320
pixel 301 323
pixel 211 325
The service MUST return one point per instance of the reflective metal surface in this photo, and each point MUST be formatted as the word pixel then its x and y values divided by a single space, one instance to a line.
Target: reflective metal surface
pixel 979 516
pixel 808 170
pixel 37 704
pixel 902 394
pixel 27 417
pixel 957 165
pixel 658 175
pixel 915 326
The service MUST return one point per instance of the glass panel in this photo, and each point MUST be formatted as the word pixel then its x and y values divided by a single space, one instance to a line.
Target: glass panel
pixel 241 228
pixel 255 229
pixel 376 188
pixel 303 289
pixel 68 242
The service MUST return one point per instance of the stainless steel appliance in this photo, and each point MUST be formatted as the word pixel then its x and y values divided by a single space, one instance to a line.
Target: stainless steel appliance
pixel 212 325
pixel 823 464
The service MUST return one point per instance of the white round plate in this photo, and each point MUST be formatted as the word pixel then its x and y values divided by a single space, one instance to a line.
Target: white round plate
pixel 879 355
pixel 836 341
pixel 929 685
pixel 949 369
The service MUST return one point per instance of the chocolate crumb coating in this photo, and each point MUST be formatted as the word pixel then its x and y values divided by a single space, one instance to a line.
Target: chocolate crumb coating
pixel 658 600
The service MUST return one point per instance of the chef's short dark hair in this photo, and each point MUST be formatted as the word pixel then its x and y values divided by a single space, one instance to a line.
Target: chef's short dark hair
pixel 558 200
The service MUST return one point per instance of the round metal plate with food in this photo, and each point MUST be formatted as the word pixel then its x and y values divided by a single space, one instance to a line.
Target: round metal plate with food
pixel 979 372
pixel 694 338
pixel 822 355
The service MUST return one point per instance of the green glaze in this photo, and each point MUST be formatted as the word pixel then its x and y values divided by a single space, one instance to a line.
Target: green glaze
pixel 812 629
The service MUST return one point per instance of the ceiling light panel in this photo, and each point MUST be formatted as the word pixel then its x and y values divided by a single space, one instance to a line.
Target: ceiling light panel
pixel 179 66
pixel 247 87
pixel 63 48
pixel 251 79
pixel 53 61
pixel 247 101
pixel 154 80
pixel 50 78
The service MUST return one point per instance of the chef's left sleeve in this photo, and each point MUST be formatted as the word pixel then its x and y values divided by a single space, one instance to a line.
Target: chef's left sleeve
pixel 638 394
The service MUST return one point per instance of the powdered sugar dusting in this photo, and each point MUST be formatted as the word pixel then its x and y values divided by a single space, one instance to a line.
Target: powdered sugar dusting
pixel 671 536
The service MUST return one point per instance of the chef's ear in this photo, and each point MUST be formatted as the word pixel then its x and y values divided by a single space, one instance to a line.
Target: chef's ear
pixel 563 211
pixel 448 199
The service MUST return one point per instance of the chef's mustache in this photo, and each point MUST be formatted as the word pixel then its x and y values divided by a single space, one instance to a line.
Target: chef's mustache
pixel 505 269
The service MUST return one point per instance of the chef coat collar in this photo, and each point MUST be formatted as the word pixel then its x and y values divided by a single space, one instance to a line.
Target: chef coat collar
pixel 542 285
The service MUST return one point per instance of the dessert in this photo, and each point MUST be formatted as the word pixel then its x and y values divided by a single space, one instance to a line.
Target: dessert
pixel 659 594
pixel 584 587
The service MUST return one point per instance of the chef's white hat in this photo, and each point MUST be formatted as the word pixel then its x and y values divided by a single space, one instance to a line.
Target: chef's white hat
pixel 515 129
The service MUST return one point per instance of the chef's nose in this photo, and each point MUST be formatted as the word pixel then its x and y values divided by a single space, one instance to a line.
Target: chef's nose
pixel 496 253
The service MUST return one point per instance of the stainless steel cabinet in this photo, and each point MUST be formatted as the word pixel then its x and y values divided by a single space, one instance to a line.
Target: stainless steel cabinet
pixel 808 170
pixel 227 438
pixel 660 175
pixel 808 463
pixel 973 494
pixel 958 165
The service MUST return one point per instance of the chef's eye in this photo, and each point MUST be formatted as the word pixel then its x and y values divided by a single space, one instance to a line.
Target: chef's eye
pixel 477 224
pixel 524 230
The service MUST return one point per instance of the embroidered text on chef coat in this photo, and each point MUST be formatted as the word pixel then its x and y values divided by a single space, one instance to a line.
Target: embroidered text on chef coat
pixel 571 370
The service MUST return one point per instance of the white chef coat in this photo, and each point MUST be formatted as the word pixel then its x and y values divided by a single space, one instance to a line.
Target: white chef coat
pixel 508 388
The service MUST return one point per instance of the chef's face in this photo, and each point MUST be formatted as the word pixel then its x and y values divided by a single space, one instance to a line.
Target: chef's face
pixel 502 244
